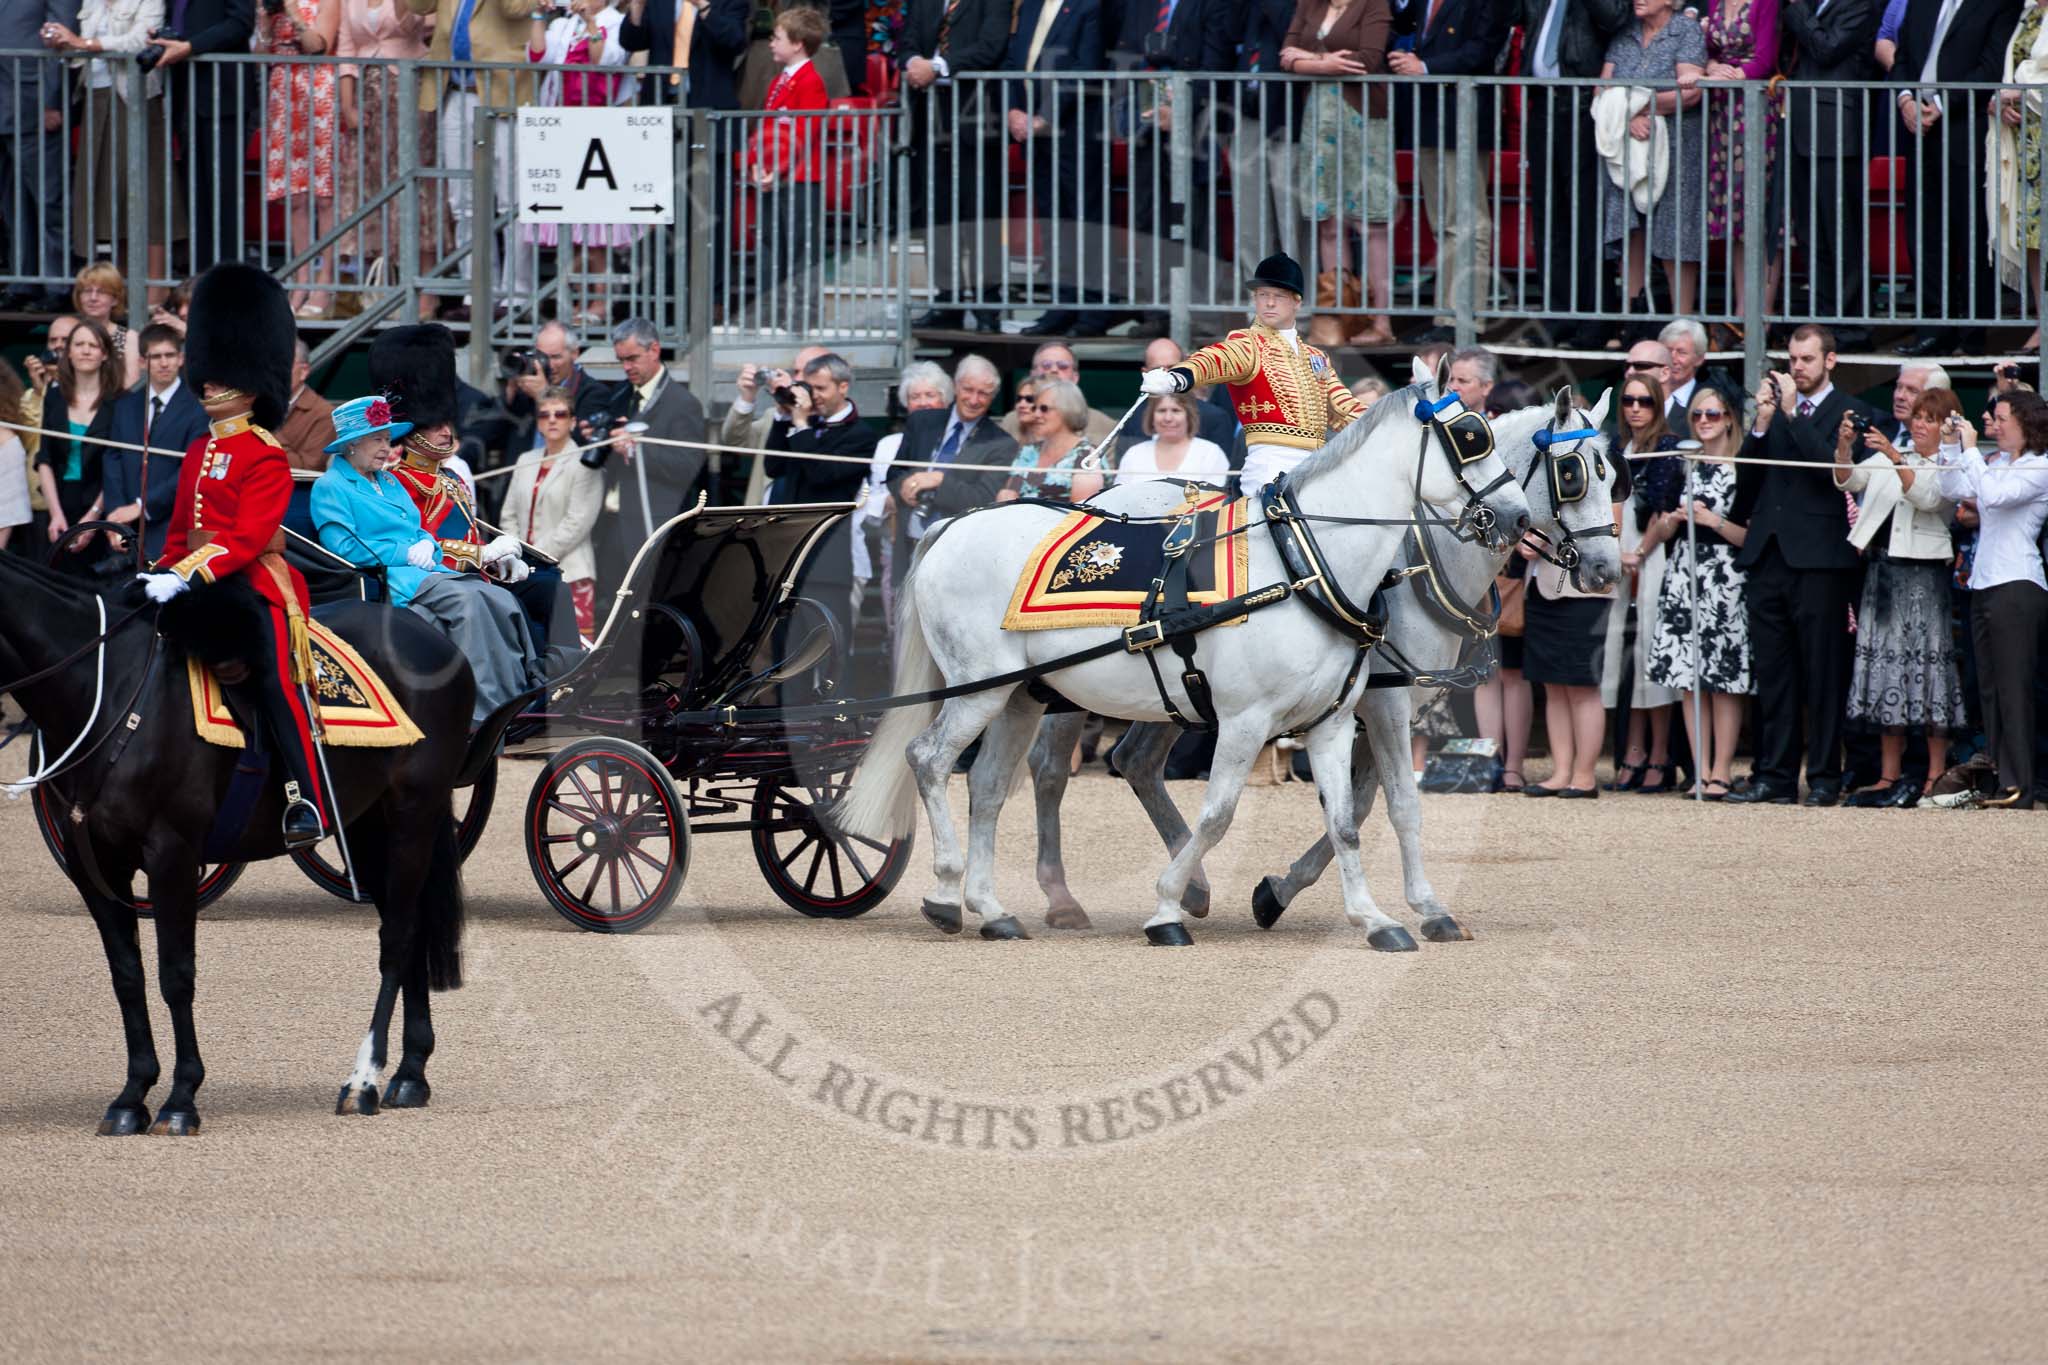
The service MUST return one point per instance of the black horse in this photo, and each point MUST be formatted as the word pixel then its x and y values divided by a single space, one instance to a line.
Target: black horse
pixel 146 801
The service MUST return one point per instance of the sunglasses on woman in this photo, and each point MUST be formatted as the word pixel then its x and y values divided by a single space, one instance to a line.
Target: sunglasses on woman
pixel 1023 403
pixel 554 416
pixel 1708 415
pixel 1637 401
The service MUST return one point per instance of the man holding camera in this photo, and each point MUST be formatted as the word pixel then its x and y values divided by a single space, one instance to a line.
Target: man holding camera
pixel 552 363
pixel 1802 576
pixel 822 420
pixel 747 422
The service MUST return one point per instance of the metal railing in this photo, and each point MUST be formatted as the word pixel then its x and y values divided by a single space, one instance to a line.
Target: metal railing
pixel 1475 202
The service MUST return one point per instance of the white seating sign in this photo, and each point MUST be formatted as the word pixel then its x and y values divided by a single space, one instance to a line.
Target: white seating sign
pixel 600 165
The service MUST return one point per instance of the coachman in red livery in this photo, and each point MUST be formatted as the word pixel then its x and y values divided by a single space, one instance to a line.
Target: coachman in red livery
pixel 226 531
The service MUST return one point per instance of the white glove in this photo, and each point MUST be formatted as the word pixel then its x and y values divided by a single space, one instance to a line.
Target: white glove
pixel 162 587
pixel 504 547
pixel 424 554
pixel 508 570
pixel 1159 381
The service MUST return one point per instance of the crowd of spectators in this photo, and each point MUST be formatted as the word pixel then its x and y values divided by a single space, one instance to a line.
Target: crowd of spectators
pixel 1631 191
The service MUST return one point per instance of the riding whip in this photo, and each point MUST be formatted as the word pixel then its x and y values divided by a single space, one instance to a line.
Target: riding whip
pixel 1108 442
pixel 333 798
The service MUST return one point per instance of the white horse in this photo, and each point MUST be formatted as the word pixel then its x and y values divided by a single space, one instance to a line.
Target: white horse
pixel 1282 670
pixel 1426 636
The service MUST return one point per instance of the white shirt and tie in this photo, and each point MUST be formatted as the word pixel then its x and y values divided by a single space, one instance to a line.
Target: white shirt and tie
pixel 1680 398
pixel 159 402
pixel 1930 95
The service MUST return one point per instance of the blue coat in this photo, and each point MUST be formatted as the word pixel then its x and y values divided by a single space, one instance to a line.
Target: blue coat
pixel 371 523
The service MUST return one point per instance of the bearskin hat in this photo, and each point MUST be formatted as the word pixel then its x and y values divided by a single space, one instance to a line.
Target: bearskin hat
pixel 240 334
pixel 414 366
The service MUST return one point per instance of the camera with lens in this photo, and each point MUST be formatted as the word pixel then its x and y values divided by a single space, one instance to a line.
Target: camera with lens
pixel 154 52
pixel 1858 423
pixel 523 362
pixel 786 395
pixel 600 423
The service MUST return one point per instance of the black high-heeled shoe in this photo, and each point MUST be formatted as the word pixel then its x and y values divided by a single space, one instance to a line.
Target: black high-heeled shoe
pixel 1663 771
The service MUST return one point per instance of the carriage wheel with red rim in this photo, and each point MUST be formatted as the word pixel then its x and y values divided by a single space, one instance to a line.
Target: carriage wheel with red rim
pixel 472 813
pixel 607 836
pixel 823 875
pixel 214 878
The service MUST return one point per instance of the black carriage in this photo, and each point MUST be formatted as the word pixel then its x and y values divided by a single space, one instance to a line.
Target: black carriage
pixel 669 727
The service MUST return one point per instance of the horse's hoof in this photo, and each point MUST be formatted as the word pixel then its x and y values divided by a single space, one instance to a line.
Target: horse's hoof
pixel 1391 938
pixel 406 1092
pixel 1444 929
pixel 1170 935
pixel 1195 901
pixel 1266 906
pixel 945 918
pixel 1003 928
pixel 1068 917
pixel 175 1123
pixel 123 1120
pixel 353 1100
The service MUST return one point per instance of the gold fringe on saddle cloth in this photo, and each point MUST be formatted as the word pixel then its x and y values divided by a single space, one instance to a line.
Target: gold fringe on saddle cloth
pixel 355 710
pixel 1092 571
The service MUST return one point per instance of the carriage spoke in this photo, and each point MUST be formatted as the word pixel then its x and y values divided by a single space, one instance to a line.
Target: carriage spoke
pixel 595 805
pixel 558 838
pixel 581 817
pixel 858 866
pixel 796 852
pixel 811 873
pixel 657 864
pixel 832 860
pixel 590 888
pixel 562 873
pixel 618 898
pixel 634 873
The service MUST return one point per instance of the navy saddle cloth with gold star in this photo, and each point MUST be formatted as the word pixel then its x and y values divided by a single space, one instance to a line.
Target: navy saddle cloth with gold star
pixel 1097 571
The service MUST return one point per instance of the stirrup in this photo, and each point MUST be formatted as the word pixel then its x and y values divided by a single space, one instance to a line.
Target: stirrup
pixel 301 837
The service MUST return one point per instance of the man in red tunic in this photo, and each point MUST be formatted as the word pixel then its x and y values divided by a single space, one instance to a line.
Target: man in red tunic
pixel 226 529
pixel 1287 394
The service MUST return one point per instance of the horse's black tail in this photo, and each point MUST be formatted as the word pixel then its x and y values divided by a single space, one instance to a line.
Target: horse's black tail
pixel 441 912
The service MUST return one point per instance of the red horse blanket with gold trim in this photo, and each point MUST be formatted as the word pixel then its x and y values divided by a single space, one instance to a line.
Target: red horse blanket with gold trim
pixel 356 710
pixel 1094 571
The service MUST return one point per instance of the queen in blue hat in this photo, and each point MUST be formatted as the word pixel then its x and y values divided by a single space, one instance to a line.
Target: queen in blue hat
pixel 365 515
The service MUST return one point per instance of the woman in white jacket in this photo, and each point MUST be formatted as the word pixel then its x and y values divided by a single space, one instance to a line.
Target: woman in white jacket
pixel 1905 670
pixel 552 502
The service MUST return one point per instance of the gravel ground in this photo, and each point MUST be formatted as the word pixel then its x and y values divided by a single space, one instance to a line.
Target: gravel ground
pixel 1709 1084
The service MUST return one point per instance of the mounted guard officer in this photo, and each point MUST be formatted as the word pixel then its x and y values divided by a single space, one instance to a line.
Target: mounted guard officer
pixel 225 536
pixel 1285 391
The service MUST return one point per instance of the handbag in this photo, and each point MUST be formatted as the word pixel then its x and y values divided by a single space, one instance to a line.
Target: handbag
pixel 1326 328
pixel 1511 605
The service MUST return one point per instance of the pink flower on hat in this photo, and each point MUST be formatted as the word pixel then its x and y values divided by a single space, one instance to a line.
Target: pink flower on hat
pixel 379 413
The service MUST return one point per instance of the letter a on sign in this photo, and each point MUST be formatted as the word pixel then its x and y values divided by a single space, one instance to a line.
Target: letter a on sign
pixel 596 166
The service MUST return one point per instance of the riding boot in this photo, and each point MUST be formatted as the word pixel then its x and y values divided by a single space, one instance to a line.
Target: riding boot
pixel 265 700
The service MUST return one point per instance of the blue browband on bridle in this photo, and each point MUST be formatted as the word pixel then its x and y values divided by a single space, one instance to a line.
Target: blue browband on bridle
pixel 1544 440
pixel 1425 410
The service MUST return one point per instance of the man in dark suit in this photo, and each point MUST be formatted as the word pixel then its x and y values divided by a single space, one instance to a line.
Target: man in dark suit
pixel 1260 118
pixel 962 434
pixel 1451 38
pixel 1802 576
pixel 955 150
pixel 1567 38
pixel 1943 41
pixel 1824 175
pixel 718 34
pixel 32 97
pixel 1060 126
pixel 211 117
pixel 654 483
pixel 823 421
pixel 164 414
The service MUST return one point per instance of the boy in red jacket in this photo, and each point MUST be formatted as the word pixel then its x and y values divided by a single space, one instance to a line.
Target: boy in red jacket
pixel 785 162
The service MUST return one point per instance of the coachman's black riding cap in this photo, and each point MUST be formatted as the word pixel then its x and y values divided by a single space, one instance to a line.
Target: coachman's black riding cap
pixel 1281 271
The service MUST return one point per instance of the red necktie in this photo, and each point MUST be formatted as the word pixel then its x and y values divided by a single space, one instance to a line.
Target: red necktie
pixel 1430 22
pixel 1165 16
pixel 775 90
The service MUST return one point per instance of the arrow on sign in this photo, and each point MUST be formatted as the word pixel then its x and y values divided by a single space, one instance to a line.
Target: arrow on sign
pixel 544 208
pixel 646 208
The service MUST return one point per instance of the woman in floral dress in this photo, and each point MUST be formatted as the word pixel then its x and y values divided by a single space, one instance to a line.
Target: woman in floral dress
pixel 380 34
pixel 298 140
pixel 1742 45
pixel 2013 149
